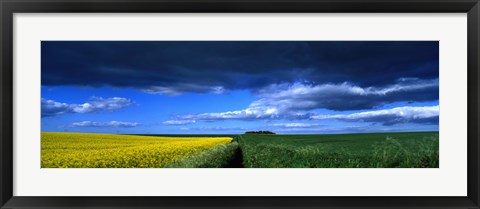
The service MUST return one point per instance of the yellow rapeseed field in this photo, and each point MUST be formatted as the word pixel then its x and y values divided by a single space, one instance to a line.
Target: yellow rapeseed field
pixel 81 150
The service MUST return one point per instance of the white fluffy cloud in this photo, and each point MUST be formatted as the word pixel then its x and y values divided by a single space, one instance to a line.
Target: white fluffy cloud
pixel 182 88
pixel 426 114
pixel 95 104
pixel 104 124
pixel 296 125
pixel 178 122
pixel 215 128
pixel 53 108
pixel 250 113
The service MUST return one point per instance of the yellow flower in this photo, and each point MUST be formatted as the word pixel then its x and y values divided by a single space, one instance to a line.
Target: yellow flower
pixel 81 150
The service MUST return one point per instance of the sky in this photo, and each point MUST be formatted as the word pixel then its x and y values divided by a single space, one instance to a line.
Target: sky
pixel 230 87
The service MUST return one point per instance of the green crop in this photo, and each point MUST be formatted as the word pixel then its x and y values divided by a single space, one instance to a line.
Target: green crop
pixel 378 150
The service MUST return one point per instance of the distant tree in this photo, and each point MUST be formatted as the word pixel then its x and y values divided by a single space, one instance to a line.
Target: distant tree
pixel 259 132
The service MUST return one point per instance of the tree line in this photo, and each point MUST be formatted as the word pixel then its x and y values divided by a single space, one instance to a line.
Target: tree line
pixel 259 132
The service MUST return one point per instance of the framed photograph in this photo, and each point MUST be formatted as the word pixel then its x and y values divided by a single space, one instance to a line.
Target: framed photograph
pixel 239 104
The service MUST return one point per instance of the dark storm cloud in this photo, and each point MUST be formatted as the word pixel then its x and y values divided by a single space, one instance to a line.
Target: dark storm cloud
pixel 175 67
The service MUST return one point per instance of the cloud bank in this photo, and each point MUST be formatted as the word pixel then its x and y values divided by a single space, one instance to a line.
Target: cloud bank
pixel 104 124
pixel 296 125
pixel 299 101
pixel 345 96
pixel 215 128
pixel 388 117
pixel 52 108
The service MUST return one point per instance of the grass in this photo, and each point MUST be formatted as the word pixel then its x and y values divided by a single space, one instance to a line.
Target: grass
pixel 378 150
pixel 218 157
pixel 80 150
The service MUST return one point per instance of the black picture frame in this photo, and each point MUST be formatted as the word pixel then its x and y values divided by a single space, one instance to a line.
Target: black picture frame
pixel 9 7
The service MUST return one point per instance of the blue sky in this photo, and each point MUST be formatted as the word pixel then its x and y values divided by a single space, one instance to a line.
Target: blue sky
pixel 215 87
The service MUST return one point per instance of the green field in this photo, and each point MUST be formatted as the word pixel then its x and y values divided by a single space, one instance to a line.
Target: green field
pixel 372 150
pixel 375 150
